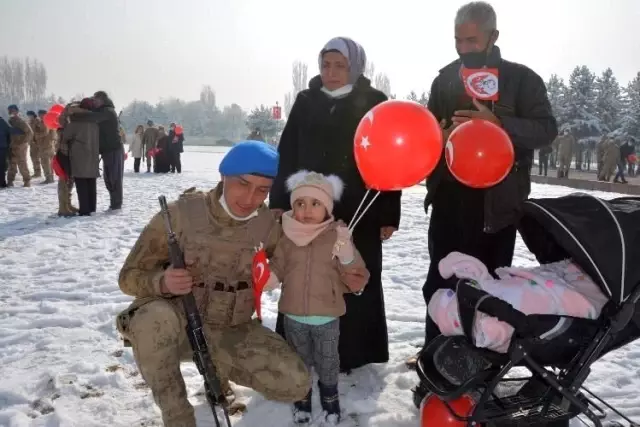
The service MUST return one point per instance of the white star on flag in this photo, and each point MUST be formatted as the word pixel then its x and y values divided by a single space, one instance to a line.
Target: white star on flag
pixel 364 142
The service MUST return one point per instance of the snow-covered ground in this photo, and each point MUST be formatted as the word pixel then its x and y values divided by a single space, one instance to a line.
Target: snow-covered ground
pixel 63 364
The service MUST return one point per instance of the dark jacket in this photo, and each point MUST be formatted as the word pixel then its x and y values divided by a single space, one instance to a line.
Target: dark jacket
pixel 626 150
pixel 176 142
pixel 5 134
pixel 525 113
pixel 319 136
pixel 108 125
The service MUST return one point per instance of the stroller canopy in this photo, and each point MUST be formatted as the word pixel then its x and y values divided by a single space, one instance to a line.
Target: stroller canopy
pixel 601 236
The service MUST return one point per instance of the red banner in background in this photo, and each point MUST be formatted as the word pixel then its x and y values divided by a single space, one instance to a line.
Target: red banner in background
pixel 276 112
pixel 481 83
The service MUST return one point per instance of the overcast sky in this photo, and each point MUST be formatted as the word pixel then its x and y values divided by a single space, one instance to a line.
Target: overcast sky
pixel 153 49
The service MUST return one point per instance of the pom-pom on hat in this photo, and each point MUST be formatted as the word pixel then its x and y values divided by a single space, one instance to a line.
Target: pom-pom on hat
pixel 326 189
pixel 250 158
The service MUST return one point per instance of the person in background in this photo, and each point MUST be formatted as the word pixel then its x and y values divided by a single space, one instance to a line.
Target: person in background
pixel 83 141
pixel 5 141
pixel 149 140
pixel 111 148
pixel 34 151
pixel 318 137
pixel 256 135
pixel 19 146
pixel 543 160
pixel 176 147
pixel 44 147
pixel 161 161
pixel 626 149
pixel 136 148
pixel 65 185
pixel 566 143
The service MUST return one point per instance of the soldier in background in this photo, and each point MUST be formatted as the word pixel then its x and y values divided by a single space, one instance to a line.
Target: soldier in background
pixel 543 160
pixel 256 135
pixel 149 139
pixel 600 147
pixel 566 143
pixel 34 152
pixel 43 147
pixel 609 160
pixel 19 148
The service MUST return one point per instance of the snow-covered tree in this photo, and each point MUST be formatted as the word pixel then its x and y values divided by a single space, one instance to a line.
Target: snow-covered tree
pixel 630 117
pixel 423 99
pixel 581 114
pixel 262 118
pixel 608 100
pixel 557 91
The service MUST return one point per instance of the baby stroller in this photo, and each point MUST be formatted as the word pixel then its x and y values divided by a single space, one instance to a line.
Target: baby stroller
pixel 603 237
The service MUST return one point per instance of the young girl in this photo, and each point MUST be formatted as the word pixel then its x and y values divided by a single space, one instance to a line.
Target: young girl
pixel 309 260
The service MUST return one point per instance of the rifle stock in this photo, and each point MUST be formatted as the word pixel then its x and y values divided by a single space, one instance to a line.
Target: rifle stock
pixel 201 355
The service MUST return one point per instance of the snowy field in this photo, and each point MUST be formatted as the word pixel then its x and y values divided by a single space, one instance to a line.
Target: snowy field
pixel 62 362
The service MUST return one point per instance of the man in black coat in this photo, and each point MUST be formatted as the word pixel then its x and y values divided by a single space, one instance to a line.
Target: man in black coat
pixel 482 222
pixel 111 147
pixel 479 222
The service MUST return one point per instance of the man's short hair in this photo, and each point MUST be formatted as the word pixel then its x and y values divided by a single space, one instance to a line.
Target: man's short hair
pixel 479 12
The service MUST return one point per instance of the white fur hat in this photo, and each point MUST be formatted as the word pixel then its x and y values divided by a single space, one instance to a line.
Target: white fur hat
pixel 326 189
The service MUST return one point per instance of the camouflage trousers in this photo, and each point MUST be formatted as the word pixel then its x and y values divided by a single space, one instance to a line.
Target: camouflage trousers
pixel 18 162
pixel 65 187
pixel 34 153
pixel 249 354
pixel 44 154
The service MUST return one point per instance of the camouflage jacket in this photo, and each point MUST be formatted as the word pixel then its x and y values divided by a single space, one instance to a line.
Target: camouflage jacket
pixel 217 249
pixel 26 137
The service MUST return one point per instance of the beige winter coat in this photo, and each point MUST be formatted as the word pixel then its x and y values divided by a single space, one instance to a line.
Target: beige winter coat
pixel 311 279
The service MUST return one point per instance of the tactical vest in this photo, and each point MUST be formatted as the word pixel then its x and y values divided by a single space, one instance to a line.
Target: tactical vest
pixel 220 251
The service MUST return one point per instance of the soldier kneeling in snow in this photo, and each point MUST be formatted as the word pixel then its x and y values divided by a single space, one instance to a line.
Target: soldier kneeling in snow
pixel 218 232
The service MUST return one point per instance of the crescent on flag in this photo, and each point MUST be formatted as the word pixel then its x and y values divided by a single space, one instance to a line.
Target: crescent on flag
pixel 449 148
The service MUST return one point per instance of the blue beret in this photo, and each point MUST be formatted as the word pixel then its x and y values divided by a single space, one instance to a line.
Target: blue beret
pixel 250 158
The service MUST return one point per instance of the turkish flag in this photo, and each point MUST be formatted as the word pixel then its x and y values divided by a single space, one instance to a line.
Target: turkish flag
pixel 481 83
pixel 260 272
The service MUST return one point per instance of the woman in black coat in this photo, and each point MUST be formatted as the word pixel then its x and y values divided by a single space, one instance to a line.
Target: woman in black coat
pixel 319 137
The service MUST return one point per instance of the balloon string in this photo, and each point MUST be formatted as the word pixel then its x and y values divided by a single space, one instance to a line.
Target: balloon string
pixel 364 211
pixel 355 215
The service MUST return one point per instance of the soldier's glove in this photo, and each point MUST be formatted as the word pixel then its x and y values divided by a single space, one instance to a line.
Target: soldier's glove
pixel 343 248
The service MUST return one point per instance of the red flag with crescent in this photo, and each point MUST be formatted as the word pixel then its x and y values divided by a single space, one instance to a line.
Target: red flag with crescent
pixel 260 272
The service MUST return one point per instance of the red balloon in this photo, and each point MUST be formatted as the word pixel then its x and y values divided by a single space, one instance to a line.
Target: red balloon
pixel 51 120
pixel 58 108
pixel 479 154
pixel 433 412
pixel 179 130
pixel 397 144
pixel 57 168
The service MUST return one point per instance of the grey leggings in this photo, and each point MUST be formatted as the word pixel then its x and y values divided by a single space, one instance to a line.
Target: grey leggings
pixel 317 345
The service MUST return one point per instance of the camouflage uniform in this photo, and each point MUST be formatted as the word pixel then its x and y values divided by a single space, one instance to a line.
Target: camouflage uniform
pixel 65 186
pixel 610 160
pixel 34 151
pixel 219 251
pixel 565 153
pixel 43 149
pixel 600 147
pixel 18 156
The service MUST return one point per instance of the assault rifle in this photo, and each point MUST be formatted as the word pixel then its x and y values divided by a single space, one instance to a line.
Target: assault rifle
pixel 201 355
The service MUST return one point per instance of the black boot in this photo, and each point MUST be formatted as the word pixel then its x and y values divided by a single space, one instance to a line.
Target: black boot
pixel 302 410
pixel 330 401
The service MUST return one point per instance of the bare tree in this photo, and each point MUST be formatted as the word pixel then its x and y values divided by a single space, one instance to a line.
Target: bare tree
pixel 208 97
pixel 383 84
pixel 300 80
pixel 370 71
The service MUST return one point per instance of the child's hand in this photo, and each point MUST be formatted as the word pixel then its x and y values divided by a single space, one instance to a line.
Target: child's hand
pixel 343 248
